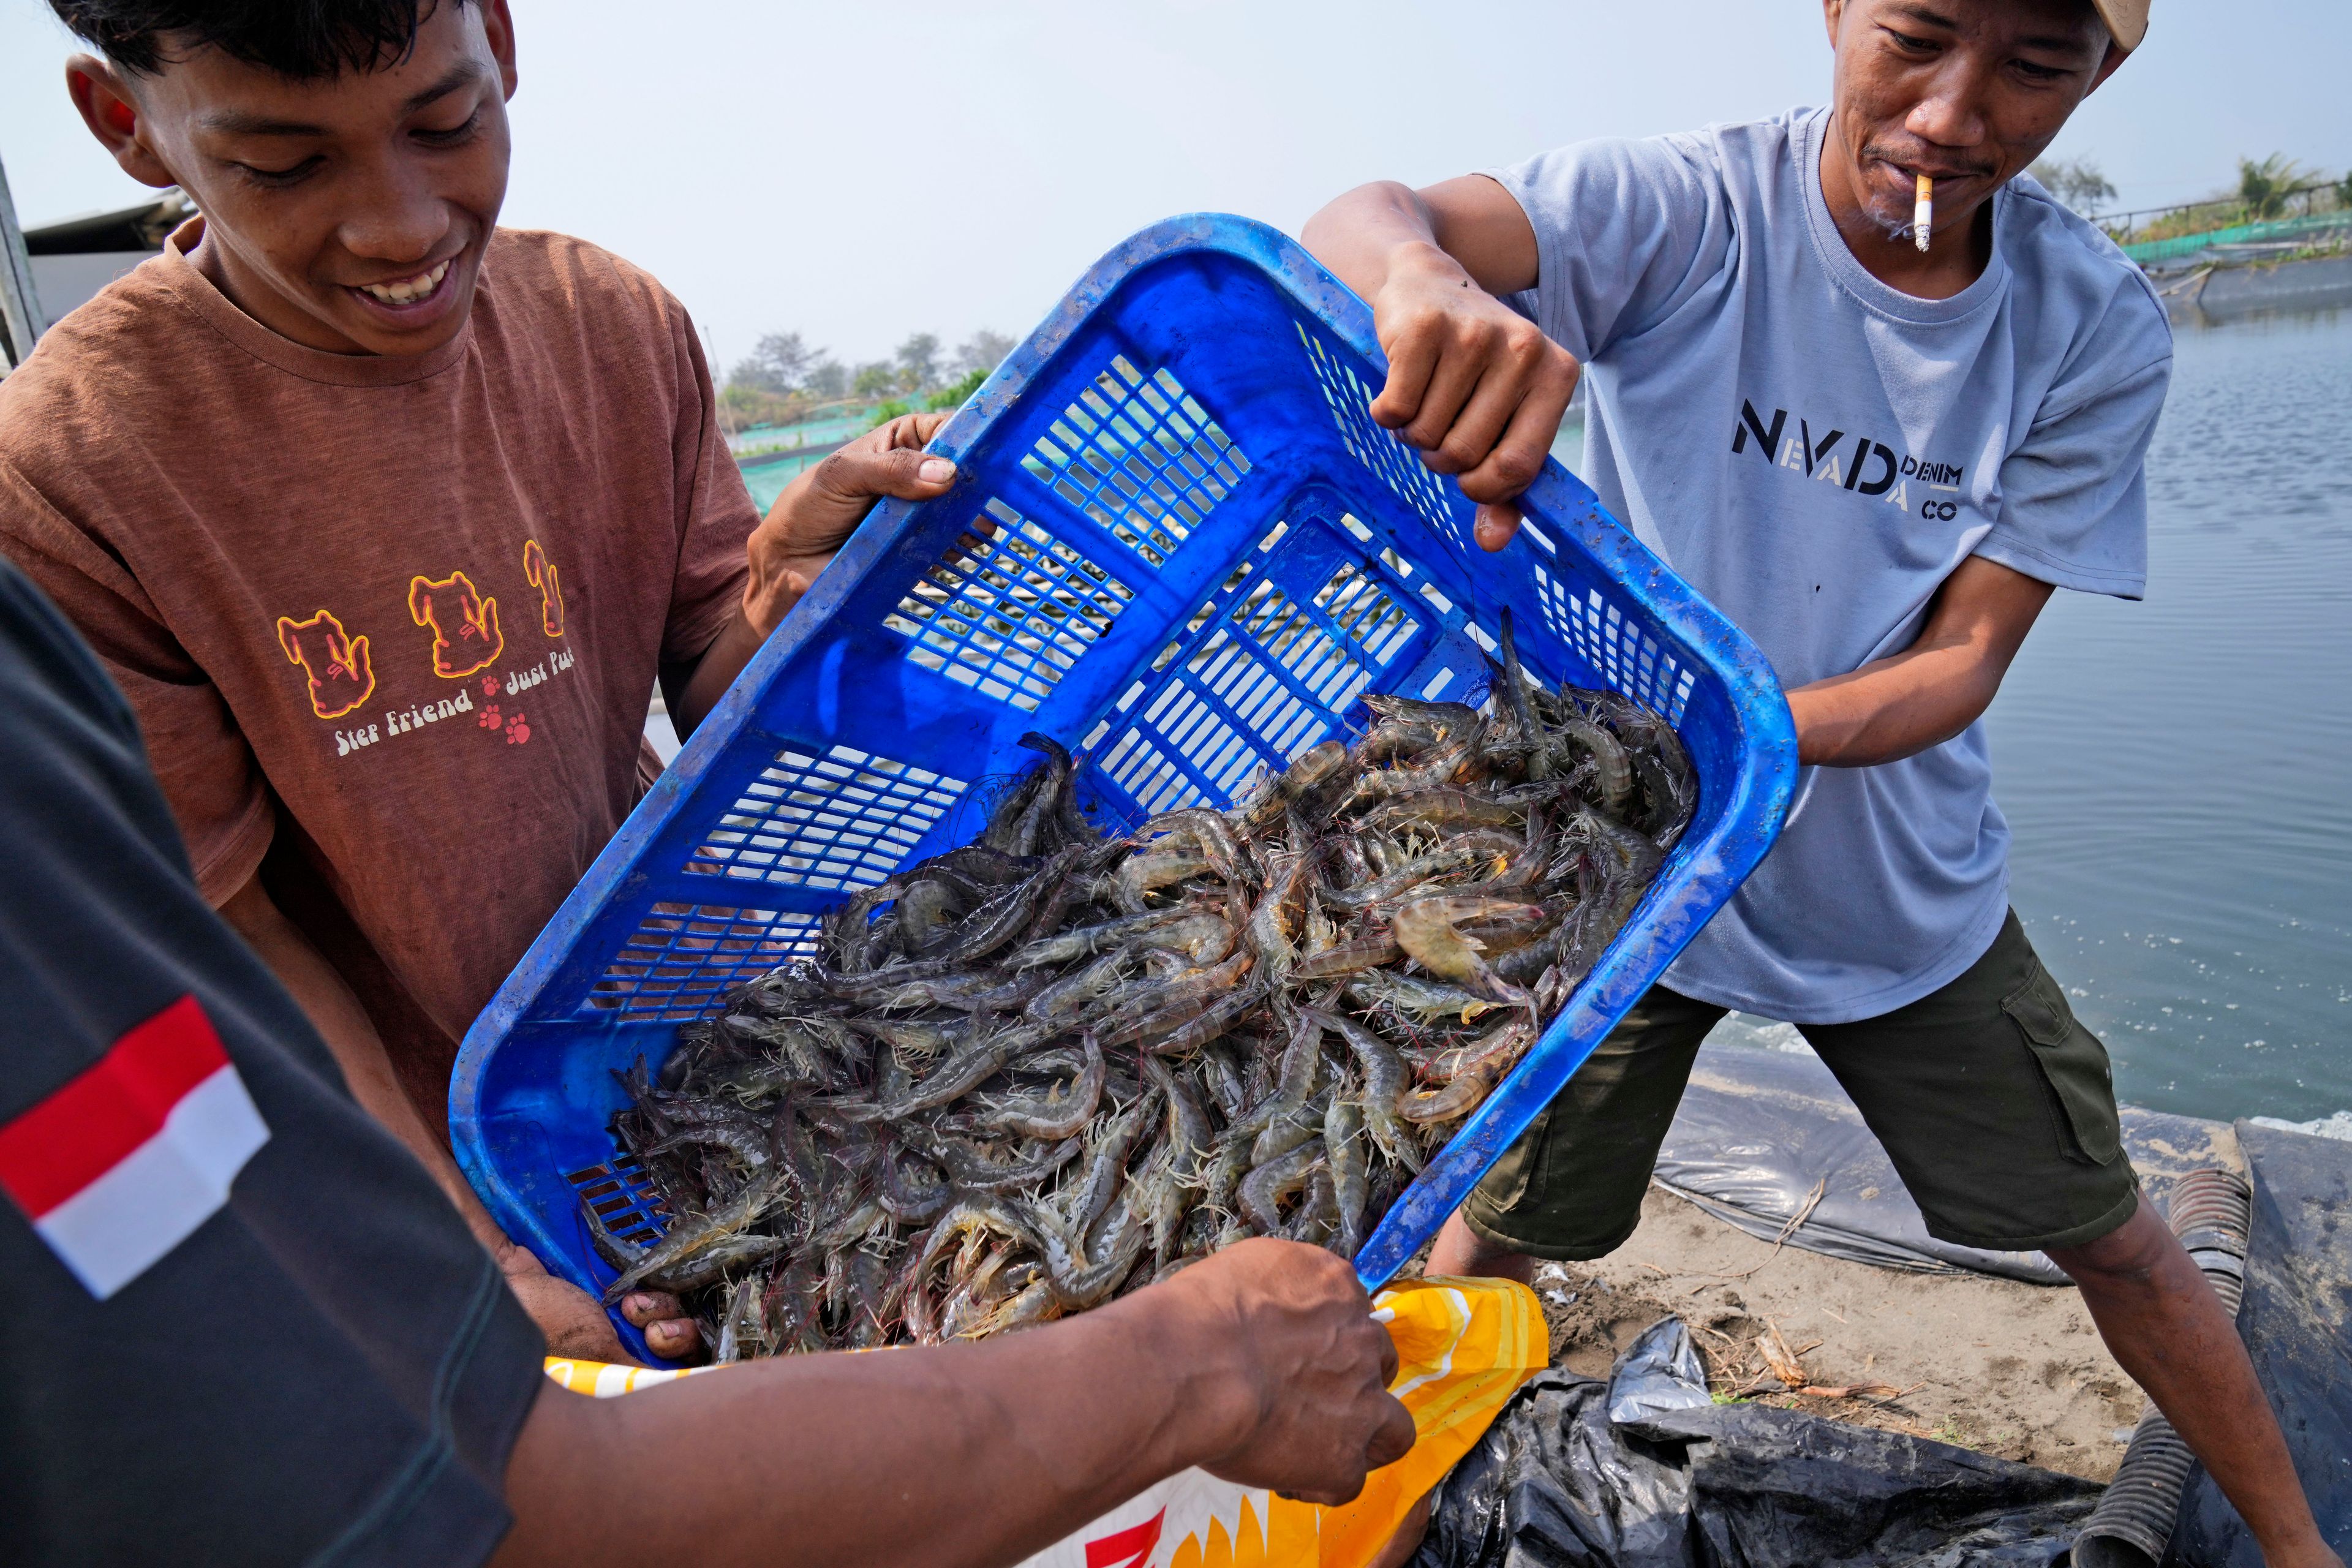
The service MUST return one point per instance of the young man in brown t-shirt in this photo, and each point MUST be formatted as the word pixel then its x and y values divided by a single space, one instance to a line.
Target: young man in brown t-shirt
pixel 388 520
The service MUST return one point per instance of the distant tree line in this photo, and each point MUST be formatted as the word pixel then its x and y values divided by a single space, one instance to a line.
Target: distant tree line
pixel 783 381
pixel 2077 182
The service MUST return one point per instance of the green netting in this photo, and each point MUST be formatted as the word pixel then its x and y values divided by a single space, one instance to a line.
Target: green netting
pixel 2241 233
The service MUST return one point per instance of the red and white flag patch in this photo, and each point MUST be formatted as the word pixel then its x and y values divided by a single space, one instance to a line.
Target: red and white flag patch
pixel 123 1163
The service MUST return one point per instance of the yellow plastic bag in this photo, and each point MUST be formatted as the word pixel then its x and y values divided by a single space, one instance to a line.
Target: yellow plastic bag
pixel 1463 1347
pixel 604 1379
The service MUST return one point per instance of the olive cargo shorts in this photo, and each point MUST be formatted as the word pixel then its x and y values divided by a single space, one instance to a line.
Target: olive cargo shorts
pixel 1996 1106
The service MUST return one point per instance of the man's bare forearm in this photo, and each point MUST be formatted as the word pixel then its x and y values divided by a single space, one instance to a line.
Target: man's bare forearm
pixel 1361 234
pixel 962 1455
pixel 1261 1365
pixel 1898 706
pixel 1892 709
pixel 691 694
pixel 1468 229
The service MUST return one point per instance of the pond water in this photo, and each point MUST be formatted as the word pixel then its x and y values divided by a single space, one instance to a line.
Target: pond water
pixel 2179 771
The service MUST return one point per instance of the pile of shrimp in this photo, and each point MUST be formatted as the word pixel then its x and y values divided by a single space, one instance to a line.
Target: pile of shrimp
pixel 1032 1074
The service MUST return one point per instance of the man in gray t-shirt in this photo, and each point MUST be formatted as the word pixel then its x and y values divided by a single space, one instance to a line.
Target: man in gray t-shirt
pixel 1875 394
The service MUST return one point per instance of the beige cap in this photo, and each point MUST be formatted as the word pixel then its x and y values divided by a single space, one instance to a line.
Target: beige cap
pixel 2126 19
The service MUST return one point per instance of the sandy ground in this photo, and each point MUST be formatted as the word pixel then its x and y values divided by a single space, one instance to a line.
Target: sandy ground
pixel 2011 1369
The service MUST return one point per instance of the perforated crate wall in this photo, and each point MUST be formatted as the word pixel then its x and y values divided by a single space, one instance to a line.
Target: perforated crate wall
pixel 1009 612
pixel 1257 677
pixel 683 958
pixel 623 1198
pixel 842 820
pixel 1140 456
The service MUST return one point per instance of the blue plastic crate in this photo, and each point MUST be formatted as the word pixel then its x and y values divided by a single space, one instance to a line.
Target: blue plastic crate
pixel 1199 554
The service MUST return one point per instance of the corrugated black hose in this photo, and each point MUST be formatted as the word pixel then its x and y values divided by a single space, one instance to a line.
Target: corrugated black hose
pixel 2209 1212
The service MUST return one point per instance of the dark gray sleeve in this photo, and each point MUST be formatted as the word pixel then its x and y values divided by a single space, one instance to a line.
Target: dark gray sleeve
pixel 318 1365
pixel 1625 230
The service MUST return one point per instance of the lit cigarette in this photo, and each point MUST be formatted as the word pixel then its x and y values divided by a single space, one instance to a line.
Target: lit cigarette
pixel 1923 212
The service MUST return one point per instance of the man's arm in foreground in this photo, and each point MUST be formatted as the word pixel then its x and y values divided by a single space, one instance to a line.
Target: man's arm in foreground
pixel 573 1324
pixel 1472 384
pixel 1898 706
pixel 809 522
pixel 1261 1365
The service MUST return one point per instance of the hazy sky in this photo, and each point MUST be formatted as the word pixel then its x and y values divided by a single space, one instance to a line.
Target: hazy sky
pixel 858 171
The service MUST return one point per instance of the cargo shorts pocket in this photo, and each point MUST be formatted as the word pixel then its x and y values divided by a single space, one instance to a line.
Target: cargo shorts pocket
pixel 2073 1065
pixel 1505 1185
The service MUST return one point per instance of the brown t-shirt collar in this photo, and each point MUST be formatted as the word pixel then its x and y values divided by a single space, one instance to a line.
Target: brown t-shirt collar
pixel 195 290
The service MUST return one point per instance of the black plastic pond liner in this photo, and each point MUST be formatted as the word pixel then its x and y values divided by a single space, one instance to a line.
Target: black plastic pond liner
pixel 1555 1483
pixel 2298 1325
pixel 1759 1131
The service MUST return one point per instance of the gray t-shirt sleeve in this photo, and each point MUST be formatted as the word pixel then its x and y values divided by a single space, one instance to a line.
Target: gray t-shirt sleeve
pixel 1625 231
pixel 2073 494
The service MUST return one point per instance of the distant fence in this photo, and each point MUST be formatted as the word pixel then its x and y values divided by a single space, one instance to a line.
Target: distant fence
pixel 2179 246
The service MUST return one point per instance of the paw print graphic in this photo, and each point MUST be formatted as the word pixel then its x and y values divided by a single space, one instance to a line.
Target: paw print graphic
pixel 490 719
pixel 490 688
pixel 517 732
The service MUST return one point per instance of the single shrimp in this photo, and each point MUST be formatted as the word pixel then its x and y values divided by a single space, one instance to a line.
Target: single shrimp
pixel 1474 1078
pixel 1426 930
pixel 1424 999
pixel 1087 940
pixel 1444 808
pixel 1273 924
pixel 1075 1281
pixel 1349 957
pixel 1149 871
pixel 1608 753
pixel 1054 1115
pixel 1343 1127
pixel 1307 773
pixel 685 1241
pixel 1208 830
pixel 1386 1078
pixel 1421 868
pixel 1264 1190
pixel 1526 734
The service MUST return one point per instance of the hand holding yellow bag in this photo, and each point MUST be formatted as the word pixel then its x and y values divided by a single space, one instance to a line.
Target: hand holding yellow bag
pixel 1463 1347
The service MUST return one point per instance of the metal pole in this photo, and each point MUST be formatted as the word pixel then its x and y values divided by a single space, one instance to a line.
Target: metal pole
pixel 21 321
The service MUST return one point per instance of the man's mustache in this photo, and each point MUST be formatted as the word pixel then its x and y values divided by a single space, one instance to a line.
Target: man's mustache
pixel 1929 164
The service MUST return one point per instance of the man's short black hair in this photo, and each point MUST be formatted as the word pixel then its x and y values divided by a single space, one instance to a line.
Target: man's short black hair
pixel 302 40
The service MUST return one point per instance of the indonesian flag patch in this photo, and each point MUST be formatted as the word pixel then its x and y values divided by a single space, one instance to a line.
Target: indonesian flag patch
pixel 123 1163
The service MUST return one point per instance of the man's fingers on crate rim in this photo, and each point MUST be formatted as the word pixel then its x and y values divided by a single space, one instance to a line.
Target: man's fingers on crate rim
pixel 644 1307
pixel 1538 417
pixel 1412 361
pixel 1497 525
pixel 1449 398
pixel 1515 446
pixel 1488 421
pixel 907 473
pixel 908 430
